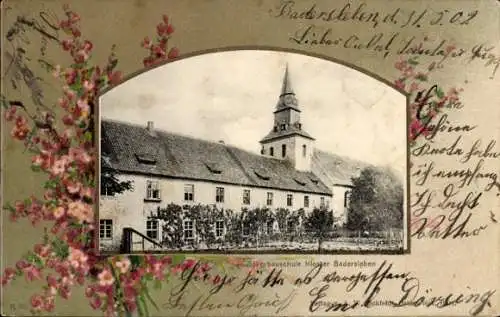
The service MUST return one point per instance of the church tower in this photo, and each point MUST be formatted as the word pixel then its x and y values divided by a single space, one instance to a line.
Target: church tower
pixel 287 139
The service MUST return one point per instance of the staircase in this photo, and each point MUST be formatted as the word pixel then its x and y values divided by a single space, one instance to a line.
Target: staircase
pixel 134 241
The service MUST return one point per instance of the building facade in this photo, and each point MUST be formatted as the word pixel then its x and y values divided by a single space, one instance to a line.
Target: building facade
pixel 167 168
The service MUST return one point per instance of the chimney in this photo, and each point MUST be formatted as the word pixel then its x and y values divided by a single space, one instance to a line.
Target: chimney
pixel 150 128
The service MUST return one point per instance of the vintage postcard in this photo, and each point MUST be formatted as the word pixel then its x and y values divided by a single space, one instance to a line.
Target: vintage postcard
pixel 250 158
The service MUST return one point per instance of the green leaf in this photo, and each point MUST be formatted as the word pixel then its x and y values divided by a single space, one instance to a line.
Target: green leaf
pixel 439 92
pixel 413 61
pixel 88 136
pixel 140 309
pixel 34 259
pixel 135 260
pixel 36 168
pixel 8 206
pixel 50 184
pixel 60 248
pixel 178 258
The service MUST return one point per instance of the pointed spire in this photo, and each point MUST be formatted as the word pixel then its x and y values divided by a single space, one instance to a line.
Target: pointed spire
pixel 287 84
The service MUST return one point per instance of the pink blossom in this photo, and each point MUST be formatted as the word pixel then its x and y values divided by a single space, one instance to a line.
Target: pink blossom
pixel 95 302
pixel 106 278
pixel 76 257
pixel 450 48
pixel 88 86
pixel 10 113
pixel 70 75
pixel 43 250
pixel 36 302
pixel 79 154
pixel 84 107
pixel 400 65
pixel 70 94
pixel 67 44
pixel 87 46
pixel 414 87
pixel 146 43
pixel 123 265
pixel 73 187
pixel 89 291
pixel 399 84
pixel 81 211
pixel 81 56
pixel 32 273
pixel 59 166
pixel 58 212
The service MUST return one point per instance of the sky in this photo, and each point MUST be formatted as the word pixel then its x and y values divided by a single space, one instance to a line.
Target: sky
pixel 231 96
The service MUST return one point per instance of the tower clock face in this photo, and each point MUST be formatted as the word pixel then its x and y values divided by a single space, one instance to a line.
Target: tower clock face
pixel 290 100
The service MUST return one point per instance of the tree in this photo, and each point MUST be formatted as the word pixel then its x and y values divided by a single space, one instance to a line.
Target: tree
pixel 319 222
pixel 110 184
pixel 377 200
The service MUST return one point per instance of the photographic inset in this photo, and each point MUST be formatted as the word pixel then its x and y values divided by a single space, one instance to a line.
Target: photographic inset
pixel 217 153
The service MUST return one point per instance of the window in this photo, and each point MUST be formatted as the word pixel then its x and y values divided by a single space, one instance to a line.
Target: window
pixel 106 190
pixel 322 202
pixel 270 225
pixel 306 201
pixel 152 190
pixel 304 150
pixel 290 225
pixel 282 127
pixel 347 198
pixel 105 228
pixel 188 192
pixel 246 197
pixel 269 200
pixel 283 150
pixel 219 194
pixel 271 151
pixel 289 200
pixel 246 228
pixel 219 228
pixel 152 229
pixel 188 230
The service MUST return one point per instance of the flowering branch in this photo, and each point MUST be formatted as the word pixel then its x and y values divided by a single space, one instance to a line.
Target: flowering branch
pixel 66 153
pixel 424 104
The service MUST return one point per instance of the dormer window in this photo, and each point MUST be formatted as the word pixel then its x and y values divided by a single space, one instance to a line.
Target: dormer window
pixel 283 127
pixel 314 180
pixel 146 158
pixel 213 167
pixel 262 174
pixel 299 181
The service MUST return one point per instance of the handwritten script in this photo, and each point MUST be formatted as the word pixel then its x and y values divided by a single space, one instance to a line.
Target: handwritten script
pixel 272 290
pixel 319 26
pixel 467 171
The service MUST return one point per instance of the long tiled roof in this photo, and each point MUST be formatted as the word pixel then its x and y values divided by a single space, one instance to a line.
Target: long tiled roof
pixel 133 149
pixel 334 169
